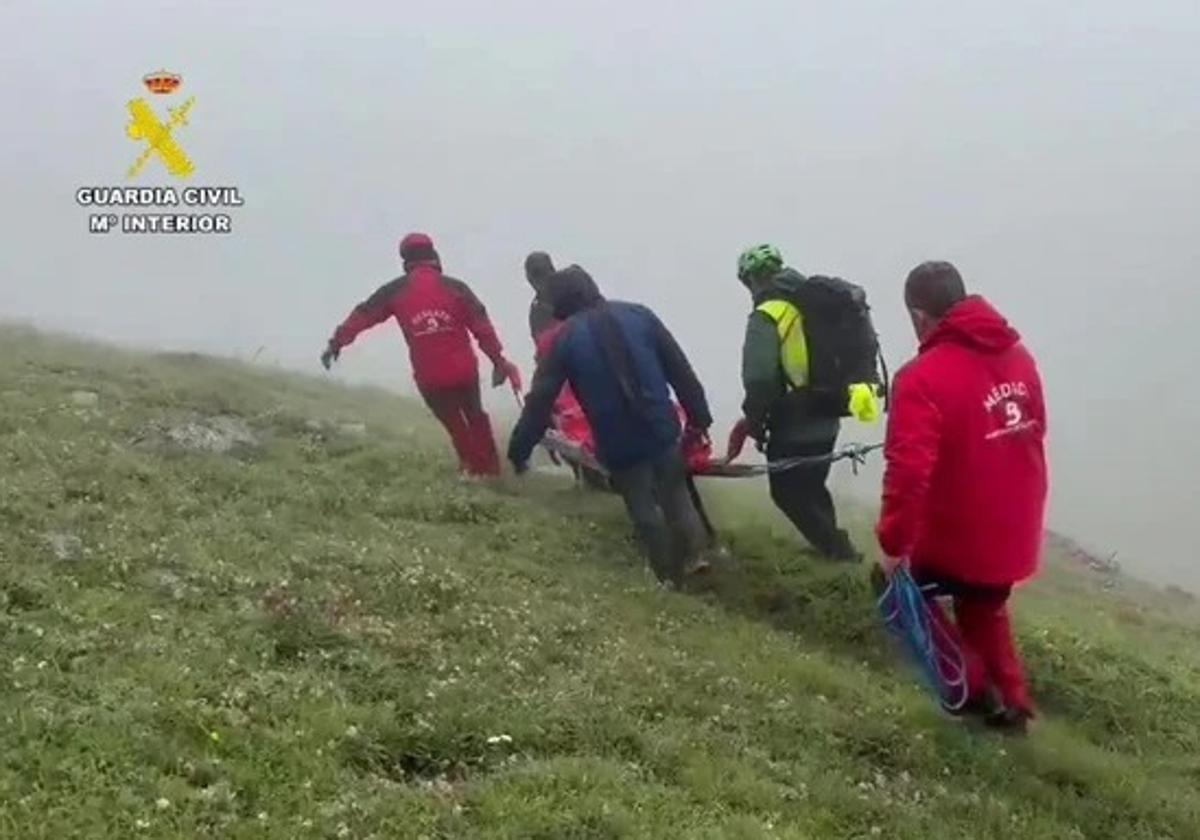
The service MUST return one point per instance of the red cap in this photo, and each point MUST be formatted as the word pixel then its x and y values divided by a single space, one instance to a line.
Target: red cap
pixel 415 243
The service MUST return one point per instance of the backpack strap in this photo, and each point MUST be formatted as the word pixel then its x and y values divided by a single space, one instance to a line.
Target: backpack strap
pixel 793 346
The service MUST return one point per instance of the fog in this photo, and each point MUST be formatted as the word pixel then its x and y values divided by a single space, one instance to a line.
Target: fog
pixel 1049 150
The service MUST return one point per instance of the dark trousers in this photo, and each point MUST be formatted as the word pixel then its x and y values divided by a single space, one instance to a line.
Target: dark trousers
pixel 460 410
pixel 801 494
pixel 983 631
pixel 664 517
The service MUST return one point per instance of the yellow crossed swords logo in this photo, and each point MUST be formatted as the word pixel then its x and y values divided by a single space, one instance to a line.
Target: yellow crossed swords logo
pixel 145 125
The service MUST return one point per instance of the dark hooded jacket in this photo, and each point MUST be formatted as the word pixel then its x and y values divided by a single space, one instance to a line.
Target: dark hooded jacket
pixel 538 271
pixel 771 403
pixel 622 363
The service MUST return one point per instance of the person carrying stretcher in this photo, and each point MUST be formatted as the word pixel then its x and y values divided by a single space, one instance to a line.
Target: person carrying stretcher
pixel 621 364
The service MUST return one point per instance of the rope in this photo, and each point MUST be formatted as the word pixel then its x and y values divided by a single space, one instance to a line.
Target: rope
pixel 907 614
pixel 856 453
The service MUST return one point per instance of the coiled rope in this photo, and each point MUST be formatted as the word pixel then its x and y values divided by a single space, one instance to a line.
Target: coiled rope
pixel 905 608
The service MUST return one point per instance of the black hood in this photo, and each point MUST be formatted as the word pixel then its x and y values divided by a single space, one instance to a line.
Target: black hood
pixel 572 290
pixel 538 269
pixel 784 283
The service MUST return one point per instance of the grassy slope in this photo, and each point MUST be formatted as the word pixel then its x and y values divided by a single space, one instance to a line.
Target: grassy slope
pixel 332 637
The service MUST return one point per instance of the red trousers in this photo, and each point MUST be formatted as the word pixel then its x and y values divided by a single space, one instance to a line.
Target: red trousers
pixel 983 630
pixel 460 410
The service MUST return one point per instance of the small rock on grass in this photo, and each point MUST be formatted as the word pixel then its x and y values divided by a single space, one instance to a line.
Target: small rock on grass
pixel 65 547
pixel 219 434
pixel 357 430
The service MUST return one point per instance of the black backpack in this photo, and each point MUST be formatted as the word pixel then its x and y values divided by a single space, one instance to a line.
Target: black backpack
pixel 843 347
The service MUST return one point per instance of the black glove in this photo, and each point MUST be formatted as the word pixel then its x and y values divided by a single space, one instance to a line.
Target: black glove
pixel 505 371
pixel 758 433
pixel 330 355
pixel 761 440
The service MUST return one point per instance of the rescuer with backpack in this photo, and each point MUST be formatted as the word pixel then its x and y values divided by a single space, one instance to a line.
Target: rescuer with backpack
pixel 809 359
pixel 438 315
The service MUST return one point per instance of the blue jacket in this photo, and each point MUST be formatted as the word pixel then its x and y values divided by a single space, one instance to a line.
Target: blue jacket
pixel 630 411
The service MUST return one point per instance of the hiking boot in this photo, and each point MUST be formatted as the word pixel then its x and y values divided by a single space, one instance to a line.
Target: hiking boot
pixel 984 706
pixel 1009 721
pixel 844 551
pixel 699 566
pixel 669 576
pixel 848 554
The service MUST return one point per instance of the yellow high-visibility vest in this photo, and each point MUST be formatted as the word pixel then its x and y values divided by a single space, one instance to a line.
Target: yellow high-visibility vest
pixel 793 346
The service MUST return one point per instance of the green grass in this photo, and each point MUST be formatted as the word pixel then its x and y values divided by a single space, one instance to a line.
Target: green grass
pixel 330 636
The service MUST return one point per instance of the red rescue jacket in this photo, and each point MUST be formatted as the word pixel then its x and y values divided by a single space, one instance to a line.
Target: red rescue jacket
pixel 437 314
pixel 569 418
pixel 965 485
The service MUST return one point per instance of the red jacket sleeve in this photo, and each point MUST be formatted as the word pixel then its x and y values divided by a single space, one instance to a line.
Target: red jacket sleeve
pixel 910 450
pixel 544 341
pixel 374 310
pixel 478 322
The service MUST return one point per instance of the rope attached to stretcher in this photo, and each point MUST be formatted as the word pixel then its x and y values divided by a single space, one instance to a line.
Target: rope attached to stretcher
pixel 856 453
pixel 907 614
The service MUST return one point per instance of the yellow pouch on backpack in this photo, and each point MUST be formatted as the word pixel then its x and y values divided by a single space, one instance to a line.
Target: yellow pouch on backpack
pixel 864 402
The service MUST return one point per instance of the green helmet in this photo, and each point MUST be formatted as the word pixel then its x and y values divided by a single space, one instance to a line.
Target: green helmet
pixel 759 260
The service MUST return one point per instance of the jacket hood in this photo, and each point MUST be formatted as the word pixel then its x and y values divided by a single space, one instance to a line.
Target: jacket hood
pixel 572 290
pixel 784 282
pixel 974 323
pixel 538 269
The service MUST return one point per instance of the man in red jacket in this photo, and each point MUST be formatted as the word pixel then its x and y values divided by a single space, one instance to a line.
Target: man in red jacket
pixel 437 315
pixel 964 491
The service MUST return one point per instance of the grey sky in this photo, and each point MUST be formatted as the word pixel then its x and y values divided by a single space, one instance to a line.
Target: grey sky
pixel 1050 150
